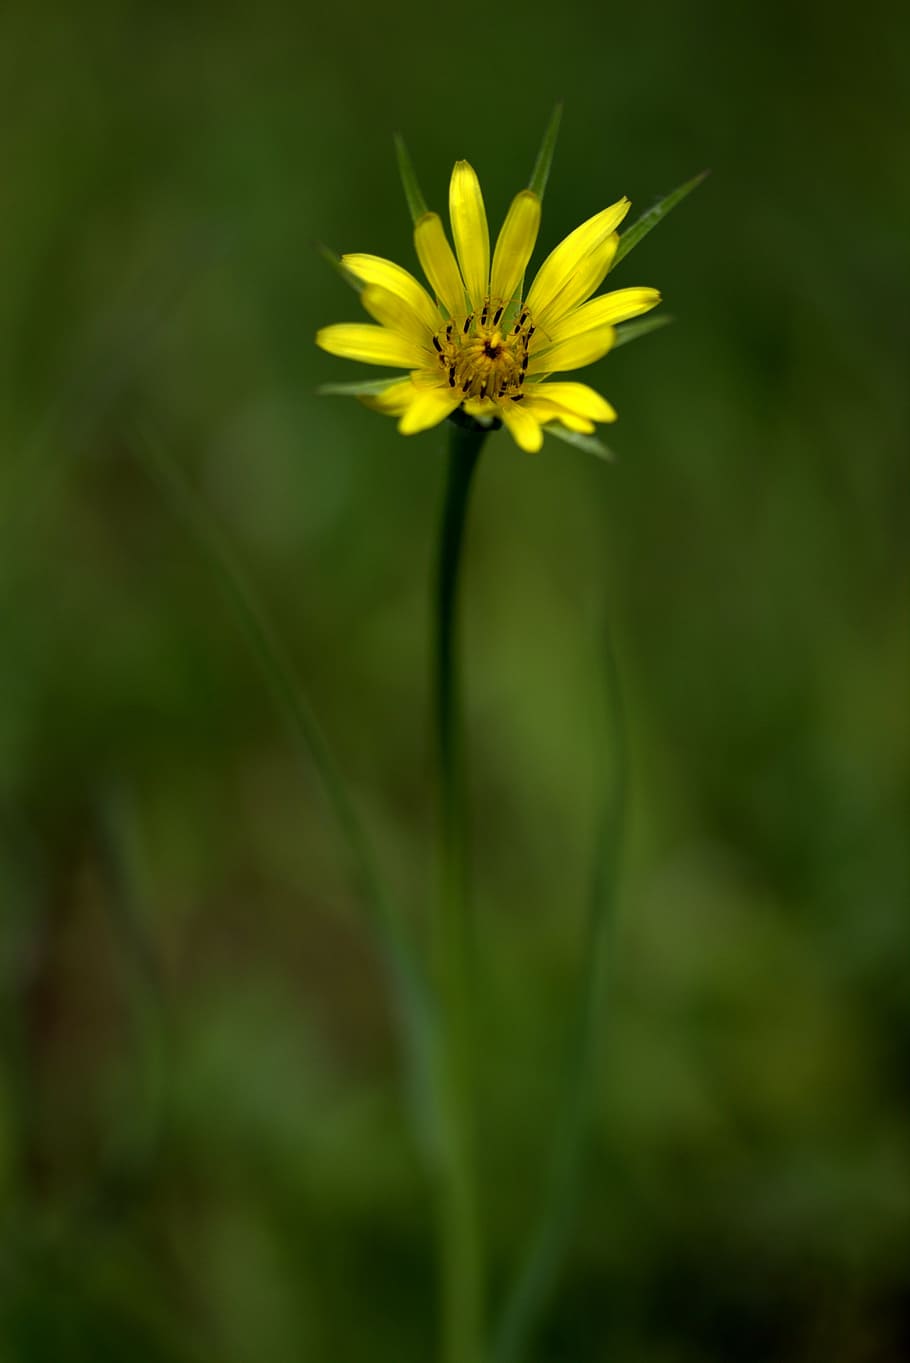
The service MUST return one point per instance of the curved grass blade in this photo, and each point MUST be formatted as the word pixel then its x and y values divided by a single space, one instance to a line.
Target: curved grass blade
pixel 417 204
pixel 138 1132
pixel 537 1274
pixel 541 172
pixel 649 220
pixel 407 984
pixel 633 331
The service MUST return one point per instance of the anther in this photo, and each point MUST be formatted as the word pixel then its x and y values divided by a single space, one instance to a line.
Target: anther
pixel 483 315
pixel 496 316
pixel 436 344
pixel 519 397
pixel 467 323
pixel 524 362
pixel 531 331
pixel 451 376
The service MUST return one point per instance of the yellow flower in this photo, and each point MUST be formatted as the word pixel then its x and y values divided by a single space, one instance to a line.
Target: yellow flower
pixel 481 343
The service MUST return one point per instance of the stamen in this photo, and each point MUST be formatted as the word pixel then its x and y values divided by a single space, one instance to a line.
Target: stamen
pixel 480 361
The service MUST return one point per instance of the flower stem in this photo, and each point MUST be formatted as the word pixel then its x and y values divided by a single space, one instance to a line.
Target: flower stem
pixel 461 1249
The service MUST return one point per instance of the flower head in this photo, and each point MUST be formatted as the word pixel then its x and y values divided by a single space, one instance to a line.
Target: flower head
pixel 481 342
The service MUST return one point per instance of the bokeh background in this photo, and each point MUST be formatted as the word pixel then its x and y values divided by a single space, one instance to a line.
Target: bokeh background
pixel 204 1147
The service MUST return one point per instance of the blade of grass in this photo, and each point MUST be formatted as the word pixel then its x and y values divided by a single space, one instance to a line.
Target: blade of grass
pixel 407 985
pixel 137 1134
pixel 539 1269
pixel 649 220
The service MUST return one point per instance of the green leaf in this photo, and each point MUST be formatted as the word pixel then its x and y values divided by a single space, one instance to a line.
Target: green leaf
pixel 417 204
pixel 357 388
pixel 339 267
pixel 589 443
pixel 631 331
pixel 648 221
pixel 541 172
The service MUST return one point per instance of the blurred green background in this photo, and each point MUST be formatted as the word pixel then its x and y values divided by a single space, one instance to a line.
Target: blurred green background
pixel 204 1151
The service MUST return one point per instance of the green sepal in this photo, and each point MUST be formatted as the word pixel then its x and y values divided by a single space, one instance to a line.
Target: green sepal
pixel 358 388
pixel 541 172
pixel 589 443
pixel 417 204
pixel 632 331
pixel 339 267
pixel 649 220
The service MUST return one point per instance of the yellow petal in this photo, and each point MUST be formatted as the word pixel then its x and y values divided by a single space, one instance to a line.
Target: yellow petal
pixel 372 345
pixel 566 258
pixel 575 423
pixel 393 400
pixel 469 228
pixel 574 353
pixel 522 426
pixel 515 244
pixel 579 285
pixel 577 398
pixel 618 306
pixel 544 412
pixel 429 407
pixel 375 270
pixel 438 263
pixel 393 312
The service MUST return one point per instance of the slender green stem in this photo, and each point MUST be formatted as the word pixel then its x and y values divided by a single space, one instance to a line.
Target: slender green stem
pixel 546 1247
pixel 461 1248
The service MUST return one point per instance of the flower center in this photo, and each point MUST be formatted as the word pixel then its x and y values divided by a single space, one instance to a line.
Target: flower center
pixel 483 360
